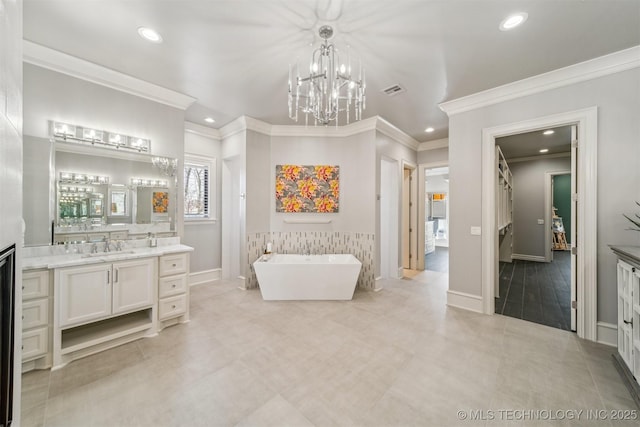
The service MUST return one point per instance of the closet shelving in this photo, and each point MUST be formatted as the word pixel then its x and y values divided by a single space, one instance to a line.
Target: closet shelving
pixel 504 193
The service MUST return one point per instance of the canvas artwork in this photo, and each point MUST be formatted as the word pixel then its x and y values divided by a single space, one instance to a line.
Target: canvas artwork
pixel 307 188
pixel 160 202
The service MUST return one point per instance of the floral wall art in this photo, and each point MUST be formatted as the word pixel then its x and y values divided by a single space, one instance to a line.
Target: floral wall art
pixel 307 188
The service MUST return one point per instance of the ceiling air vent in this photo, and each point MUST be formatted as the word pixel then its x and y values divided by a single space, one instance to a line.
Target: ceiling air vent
pixel 394 90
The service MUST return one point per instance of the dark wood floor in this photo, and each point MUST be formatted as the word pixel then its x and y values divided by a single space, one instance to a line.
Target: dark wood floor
pixel 437 260
pixel 537 291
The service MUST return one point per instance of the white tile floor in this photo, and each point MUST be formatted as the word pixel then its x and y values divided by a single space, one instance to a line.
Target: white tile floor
pixel 398 357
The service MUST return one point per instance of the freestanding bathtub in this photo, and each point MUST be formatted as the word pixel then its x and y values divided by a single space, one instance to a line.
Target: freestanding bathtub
pixel 307 277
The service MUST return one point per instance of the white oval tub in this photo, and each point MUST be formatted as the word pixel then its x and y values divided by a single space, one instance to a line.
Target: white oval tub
pixel 307 277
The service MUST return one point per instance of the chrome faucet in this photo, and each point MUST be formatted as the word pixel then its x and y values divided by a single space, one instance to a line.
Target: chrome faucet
pixel 107 244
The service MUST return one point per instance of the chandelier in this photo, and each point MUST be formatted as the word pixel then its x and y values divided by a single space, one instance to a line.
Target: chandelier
pixel 330 87
pixel 166 165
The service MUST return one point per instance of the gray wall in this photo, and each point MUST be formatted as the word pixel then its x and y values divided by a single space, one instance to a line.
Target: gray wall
pixel 205 236
pixel 436 155
pixel 37 214
pixel 355 155
pixel 49 95
pixel 528 203
pixel 617 97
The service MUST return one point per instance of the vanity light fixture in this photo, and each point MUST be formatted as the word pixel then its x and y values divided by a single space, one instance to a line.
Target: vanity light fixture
pixel 89 136
pixel 548 132
pixel 512 21
pixel 81 178
pixel 145 182
pixel 544 150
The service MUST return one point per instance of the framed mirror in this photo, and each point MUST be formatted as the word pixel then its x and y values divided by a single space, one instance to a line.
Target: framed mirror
pixel 118 200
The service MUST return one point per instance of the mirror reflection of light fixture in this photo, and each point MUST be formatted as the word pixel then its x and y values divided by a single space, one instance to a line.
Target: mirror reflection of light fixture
pixel 81 178
pixel 144 182
pixel 85 135
pixel 166 165
pixel 330 87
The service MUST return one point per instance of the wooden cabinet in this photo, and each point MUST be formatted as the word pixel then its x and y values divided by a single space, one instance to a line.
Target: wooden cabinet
pixel 99 306
pixel 84 294
pixel 173 289
pixel 36 319
pixel 628 324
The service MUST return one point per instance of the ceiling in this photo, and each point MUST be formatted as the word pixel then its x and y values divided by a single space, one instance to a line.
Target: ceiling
pixel 530 143
pixel 233 55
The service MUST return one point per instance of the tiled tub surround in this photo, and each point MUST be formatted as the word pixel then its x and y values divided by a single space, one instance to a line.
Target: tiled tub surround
pixel 361 245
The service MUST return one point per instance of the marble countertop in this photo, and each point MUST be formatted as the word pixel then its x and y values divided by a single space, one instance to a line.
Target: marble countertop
pixel 58 260
pixel 632 252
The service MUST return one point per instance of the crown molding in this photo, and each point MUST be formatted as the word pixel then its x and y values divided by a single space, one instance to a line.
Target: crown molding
pixel 54 60
pixel 393 132
pixel 374 123
pixel 598 67
pixel 434 145
pixel 201 130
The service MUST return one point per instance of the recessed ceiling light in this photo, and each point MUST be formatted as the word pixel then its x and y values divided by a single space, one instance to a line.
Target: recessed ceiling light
pixel 429 129
pixel 150 34
pixel 209 120
pixel 548 132
pixel 544 150
pixel 512 21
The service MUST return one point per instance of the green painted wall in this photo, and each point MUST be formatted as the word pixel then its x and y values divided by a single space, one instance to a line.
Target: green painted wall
pixel 562 201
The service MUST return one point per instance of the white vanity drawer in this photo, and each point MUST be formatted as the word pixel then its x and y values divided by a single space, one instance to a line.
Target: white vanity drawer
pixel 35 313
pixel 35 343
pixel 172 307
pixel 172 285
pixel 35 284
pixel 173 264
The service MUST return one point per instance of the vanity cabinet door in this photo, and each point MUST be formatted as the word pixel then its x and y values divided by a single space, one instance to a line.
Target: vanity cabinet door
pixel 133 285
pixel 84 292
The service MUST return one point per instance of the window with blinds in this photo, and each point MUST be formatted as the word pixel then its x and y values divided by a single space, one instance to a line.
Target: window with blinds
pixel 196 190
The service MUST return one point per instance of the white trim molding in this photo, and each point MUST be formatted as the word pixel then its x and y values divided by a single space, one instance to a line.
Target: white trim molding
pixel 200 130
pixel 523 257
pixel 587 122
pixel 205 276
pixel 465 301
pixel 54 60
pixel 375 123
pixel 598 67
pixel 433 145
pixel 607 334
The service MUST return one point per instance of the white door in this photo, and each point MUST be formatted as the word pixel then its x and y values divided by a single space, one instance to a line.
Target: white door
pixel 574 223
pixel 84 293
pixel 133 285
pixel 406 219
pixel 389 225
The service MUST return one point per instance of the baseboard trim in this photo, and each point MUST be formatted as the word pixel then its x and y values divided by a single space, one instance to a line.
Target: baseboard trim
pixel 523 257
pixel 464 301
pixel 205 276
pixel 607 333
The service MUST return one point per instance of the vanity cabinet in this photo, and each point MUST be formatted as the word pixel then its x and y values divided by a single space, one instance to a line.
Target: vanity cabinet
pixel 103 305
pixel 36 318
pixel 93 292
pixel 629 315
pixel 173 289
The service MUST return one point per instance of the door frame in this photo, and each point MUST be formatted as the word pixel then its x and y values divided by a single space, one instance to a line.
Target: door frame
pixel 586 281
pixel 548 203
pixel 421 203
pixel 413 216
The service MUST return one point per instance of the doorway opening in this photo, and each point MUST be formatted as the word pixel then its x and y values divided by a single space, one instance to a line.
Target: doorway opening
pixel 584 249
pixel 409 233
pixel 535 278
pixel 436 225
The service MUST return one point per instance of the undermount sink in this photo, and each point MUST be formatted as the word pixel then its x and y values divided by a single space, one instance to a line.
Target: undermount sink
pixel 106 254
